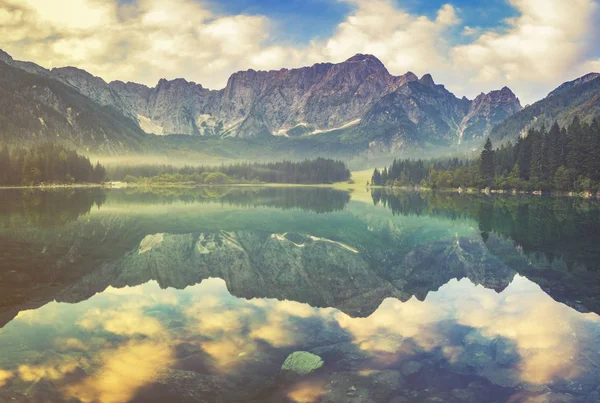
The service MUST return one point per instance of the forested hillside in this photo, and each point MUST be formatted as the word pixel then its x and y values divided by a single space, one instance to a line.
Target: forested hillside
pixel 580 97
pixel 47 163
pixel 562 159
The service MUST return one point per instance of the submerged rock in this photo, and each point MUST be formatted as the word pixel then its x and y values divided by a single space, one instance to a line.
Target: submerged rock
pixel 411 367
pixel 302 363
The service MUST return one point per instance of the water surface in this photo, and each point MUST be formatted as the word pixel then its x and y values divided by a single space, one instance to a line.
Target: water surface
pixel 199 296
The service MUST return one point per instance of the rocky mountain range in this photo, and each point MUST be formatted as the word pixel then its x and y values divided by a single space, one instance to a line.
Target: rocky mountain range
pixel 355 102
pixel 295 102
pixel 353 107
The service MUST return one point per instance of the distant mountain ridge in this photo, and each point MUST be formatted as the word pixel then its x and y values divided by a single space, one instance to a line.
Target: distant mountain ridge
pixel 575 83
pixel 580 97
pixel 35 108
pixel 356 102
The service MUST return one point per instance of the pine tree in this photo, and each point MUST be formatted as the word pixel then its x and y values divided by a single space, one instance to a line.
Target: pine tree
pixel 376 178
pixel 524 156
pixel 98 174
pixel 562 179
pixel 587 144
pixel 384 176
pixel 554 152
pixel 575 150
pixel 5 167
pixel 487 165
pixel 537 172
pixel 595 151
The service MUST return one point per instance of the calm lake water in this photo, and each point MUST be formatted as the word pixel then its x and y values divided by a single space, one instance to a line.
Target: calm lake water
pixel 201 295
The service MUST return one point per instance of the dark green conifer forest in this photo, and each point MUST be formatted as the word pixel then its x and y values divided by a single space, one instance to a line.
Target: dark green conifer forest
pixel 317 171
pixel 558 159
pixel 47 163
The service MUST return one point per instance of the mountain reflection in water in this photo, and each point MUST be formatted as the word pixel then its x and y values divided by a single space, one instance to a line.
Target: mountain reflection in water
pixel 201 297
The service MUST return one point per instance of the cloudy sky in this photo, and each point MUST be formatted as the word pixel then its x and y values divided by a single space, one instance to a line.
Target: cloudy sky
pixel 470 46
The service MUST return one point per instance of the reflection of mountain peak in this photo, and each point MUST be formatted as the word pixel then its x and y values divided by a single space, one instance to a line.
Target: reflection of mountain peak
pixel 293 266
pixel 300 267
pixel 351 260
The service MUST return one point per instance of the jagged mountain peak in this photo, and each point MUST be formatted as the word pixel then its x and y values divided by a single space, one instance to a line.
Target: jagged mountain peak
pixel 364 62
pixel 360 57
pixel 504 95
pixel 410 76
pixel 163 83
pixel 5 57
pixel 128 84
pixel 504 92
pixel 427 80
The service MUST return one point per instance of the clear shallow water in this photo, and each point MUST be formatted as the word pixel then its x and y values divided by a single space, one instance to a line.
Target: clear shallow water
pixel 126 296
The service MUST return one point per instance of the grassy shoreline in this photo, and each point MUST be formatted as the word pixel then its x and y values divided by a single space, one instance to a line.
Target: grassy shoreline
pixel 358 182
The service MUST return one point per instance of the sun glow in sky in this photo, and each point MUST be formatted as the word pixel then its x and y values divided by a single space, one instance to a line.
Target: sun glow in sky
pixel 529 45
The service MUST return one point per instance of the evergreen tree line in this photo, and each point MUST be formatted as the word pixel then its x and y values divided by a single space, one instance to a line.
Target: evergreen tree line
pixel 560 159
pixel 320 170
pixel 563 159
pixel 405 172
pixel 47 163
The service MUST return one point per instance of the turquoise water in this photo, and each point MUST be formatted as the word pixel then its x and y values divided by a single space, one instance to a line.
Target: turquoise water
pixel 200 296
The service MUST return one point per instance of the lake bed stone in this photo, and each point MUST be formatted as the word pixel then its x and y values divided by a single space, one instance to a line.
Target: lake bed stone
pixel 302 363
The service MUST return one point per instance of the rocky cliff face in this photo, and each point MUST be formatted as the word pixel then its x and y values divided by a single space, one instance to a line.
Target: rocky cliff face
pixel 419 112
pixel 423 113
pixel 253 103
pixel 358 97
pixel 486 111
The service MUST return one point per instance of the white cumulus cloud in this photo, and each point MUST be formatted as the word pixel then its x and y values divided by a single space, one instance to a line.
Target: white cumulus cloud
pixel 543 45
pixel 145 40
pixel 401 40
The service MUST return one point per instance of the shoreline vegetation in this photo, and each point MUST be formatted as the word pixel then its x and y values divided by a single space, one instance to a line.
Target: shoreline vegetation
pixel 53 166
pixel 349 186
pixel 47 163
pixel 355 182
pixel 559 161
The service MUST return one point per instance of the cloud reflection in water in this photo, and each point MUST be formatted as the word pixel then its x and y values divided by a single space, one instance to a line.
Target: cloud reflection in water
pixel 125 339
